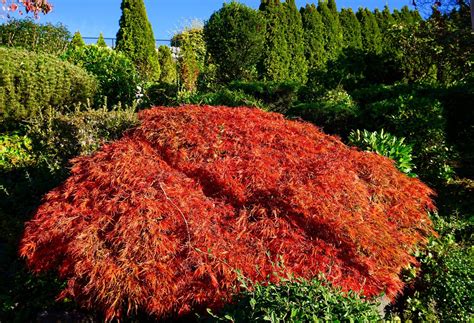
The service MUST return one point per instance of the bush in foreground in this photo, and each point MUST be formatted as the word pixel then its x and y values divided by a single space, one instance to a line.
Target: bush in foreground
pixel 163 219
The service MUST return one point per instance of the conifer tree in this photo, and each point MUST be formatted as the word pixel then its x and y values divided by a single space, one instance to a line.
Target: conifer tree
pixel 235 37
pixel 371 36
pixel 384 19
pixel 275 61
pixel 332 29
pixel 101 41
pixel 168 67
pixel 136 40
pixel 351 29
pixel 313 36
pixel 298 68
pixel 406 15
pixel 77 40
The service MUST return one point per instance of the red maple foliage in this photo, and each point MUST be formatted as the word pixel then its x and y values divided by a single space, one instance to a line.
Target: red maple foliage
pixel 162 219
pixel 34 6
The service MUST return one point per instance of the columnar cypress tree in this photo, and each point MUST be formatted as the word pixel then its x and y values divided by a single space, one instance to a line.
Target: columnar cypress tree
pixel 101 41
pixel 371 36
pixel 406 15
pixel 168 67
pixel 275 62
pixel 135 38
pixel 350 28
pixel 333 31
pixel 384 19
pixel 298 68
pixel 77 40
pixel 313 37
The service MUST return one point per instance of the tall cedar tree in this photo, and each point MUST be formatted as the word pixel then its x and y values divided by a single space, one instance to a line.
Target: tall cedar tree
pixel 295 39
pixel 101 41
pixel 169 73
pixel 77 40
pixel 332 29
pixel 275 62
pixel 351 29
pixel 135 38
pixel 371 36
pixel 234 37
pixel 313 35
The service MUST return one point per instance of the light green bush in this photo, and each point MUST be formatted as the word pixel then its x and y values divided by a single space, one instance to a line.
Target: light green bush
pixel 31 82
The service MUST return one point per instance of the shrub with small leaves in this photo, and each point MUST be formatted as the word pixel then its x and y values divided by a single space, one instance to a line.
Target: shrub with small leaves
pixel 32 82
pixel 117 76
pixel 334 111
pixel 387 145
pixel 220 97
pixel 296 300
pixel 15 151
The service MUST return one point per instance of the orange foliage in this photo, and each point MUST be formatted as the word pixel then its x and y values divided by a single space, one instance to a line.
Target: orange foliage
pixel 161 220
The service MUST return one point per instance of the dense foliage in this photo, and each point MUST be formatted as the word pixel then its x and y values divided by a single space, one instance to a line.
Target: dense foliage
pixel 136 40
pixel 25 33
pixel 32 82
pixel 234 37
pixel 162 219
pixel 118 79
pixel 297 300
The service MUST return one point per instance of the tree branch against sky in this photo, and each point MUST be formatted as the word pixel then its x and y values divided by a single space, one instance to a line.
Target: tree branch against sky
pixel 27 6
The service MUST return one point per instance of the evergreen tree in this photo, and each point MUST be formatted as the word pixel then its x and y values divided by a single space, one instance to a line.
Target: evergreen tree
pixel 276 60
pixel 406 15
pixel 136 40
pixel 101 41
pixel 351 29
pixel 77 40
pixel 298 68
pixel 384 19
pixel 235 36
pixel 313 37
pixel 371 36
pixel 332 29
pixel 168 69
pixel 396 16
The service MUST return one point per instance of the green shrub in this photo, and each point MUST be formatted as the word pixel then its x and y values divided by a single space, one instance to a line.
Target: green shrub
pixel 27 34
pixel 297 301
pixel 31 82
pixel 57 137
pixel 387 145
pixel 77 40
pixel 335 112
pixel 116 74
pixel 224 97
pixel 234 37
pixel 422 122
pixel 15 151
pixel 277 96
pixel 169 72
pixel 445 289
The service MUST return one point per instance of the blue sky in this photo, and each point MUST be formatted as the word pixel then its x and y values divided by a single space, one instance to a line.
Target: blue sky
pixel 91 17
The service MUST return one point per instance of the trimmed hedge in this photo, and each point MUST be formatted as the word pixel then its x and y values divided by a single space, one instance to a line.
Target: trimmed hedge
pixel 31 82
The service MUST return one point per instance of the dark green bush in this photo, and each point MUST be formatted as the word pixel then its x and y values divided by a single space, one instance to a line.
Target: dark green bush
pixel 116 74
pixel 57 137
pixel 444 291
pixel 387 145
pixel 234 37
pixel 25 33
pixel 422 122
pixel 224 97
pixel 31 82
pixel 297 301
pixel 277 96
pixel 335 112
pixel 160 94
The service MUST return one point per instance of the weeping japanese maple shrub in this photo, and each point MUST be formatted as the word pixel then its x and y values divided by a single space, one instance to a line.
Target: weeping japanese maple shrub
pixel 164 219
